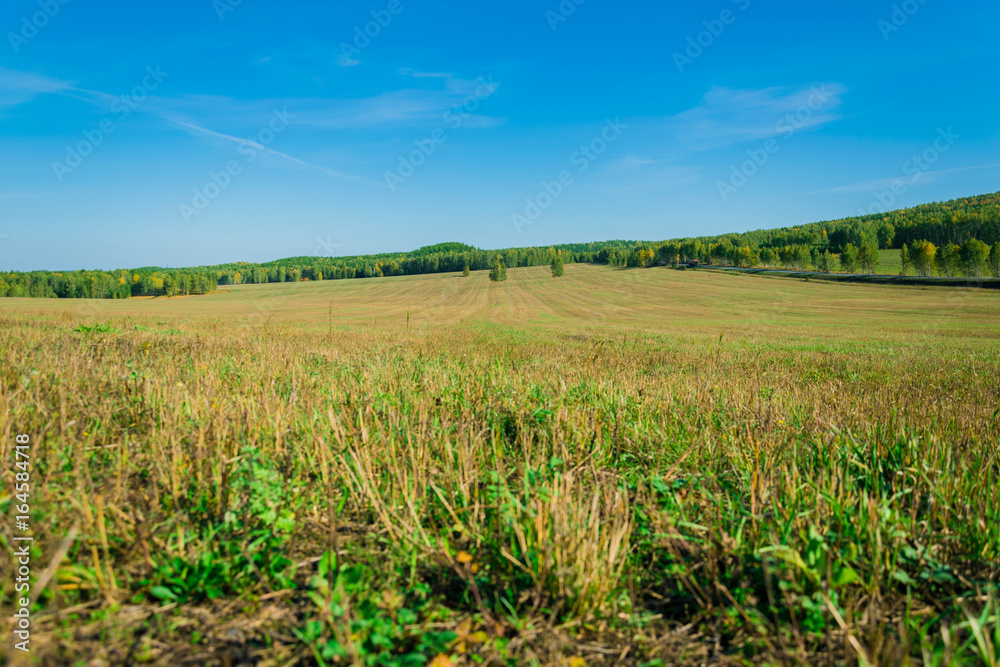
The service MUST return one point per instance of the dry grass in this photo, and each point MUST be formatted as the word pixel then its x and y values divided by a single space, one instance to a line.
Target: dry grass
pixel 616 466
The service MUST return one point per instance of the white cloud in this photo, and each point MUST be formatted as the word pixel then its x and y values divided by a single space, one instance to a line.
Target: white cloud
pixel 247 142
pixel 21 87
pixel 631 162
pixel 726 116
pixel 920 178
pixel 409 107
pixel 406 71
pixel 406 107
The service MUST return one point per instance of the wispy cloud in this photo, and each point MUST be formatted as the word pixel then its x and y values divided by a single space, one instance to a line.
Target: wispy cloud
pixel 21 87
pixel 430 96
pixel 18 88
pixel 921 178
pixel 247 142
pixel 33 195
pixel 406 71
pixel 410 106
pixel 407 106
pixel 631 162
pixel 638 176
pixel 403 107
pixel 726 116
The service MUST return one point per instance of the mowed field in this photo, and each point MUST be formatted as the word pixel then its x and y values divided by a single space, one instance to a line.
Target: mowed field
pixel 642 467
pixel 590 298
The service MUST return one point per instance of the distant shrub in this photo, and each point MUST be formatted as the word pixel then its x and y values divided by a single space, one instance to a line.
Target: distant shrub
pixel 558 266
pixel 498 272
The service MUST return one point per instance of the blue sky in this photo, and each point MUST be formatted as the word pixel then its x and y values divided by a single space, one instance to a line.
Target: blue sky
pixel 201 131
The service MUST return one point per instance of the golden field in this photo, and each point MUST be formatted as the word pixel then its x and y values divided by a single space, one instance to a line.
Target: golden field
pixel 642 467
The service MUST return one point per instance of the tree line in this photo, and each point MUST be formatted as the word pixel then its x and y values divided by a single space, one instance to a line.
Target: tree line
pixel 959 237
pixel 955 238
pixel 973 258
pixel 121 284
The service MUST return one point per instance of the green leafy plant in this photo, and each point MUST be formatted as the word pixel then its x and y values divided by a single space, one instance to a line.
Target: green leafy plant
pixel 100 327
pixel 817 565
pixel 226 565
pixel 355 616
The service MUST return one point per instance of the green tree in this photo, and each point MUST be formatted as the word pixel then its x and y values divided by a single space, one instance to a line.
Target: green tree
pixel 974 255
pixel 465 269
pixel 995 259
pixel 948 259
pixel 886 234
pixel 798 257
pixel 669 253
pixel 747 257
pixel 170 285
pixel 849 258
pixel 824 263
pixel 923 255
pixel 868 257
pixel 558 266
pixel 904 258
pixel 498 272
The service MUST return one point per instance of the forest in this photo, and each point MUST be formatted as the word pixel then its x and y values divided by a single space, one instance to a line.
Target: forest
pixel 955 238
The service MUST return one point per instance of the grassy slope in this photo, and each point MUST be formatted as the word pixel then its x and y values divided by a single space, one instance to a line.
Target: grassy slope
pixel 658 465
pixel 590 297
pixel 890 263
